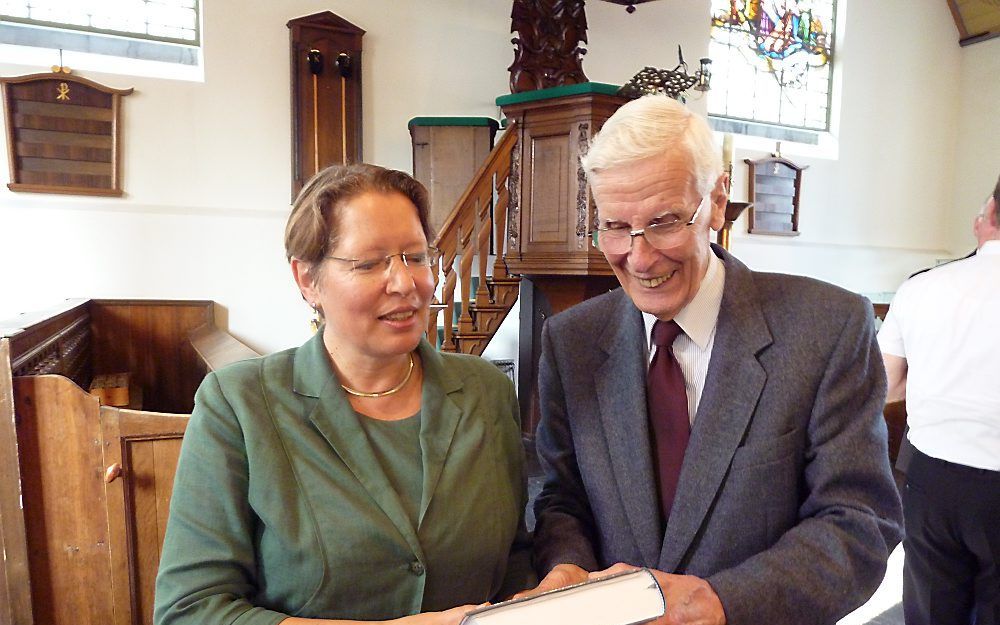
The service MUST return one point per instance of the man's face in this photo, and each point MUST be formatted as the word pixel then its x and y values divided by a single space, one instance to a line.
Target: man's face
pixel 659 281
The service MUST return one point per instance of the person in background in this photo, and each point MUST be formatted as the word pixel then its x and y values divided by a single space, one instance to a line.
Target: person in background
pixel 718 425
pixel 941 347
pixel 363 476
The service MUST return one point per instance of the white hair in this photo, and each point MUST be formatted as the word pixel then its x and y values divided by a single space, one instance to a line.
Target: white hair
pixel 655 125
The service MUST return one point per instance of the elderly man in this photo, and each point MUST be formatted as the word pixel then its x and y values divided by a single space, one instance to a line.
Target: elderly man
pixel 718 425
pixel 941 347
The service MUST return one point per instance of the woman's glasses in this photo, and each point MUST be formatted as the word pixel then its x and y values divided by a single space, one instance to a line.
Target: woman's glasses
pixel 378 266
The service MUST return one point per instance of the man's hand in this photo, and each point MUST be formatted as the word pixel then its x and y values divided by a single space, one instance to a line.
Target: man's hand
pixel 690 600
pixel 561 575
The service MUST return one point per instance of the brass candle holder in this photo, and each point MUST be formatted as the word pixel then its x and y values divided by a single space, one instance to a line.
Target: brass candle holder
pixel 733 212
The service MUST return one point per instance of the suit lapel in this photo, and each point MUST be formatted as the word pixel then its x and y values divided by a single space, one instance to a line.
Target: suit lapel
pixel 733 386
pixel 440 417
pixel 620 383
pixel 336 420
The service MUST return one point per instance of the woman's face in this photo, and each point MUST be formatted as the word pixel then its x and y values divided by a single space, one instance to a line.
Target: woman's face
pixel 374 313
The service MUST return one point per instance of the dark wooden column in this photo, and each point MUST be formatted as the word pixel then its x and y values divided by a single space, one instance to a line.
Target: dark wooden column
pixel 552 214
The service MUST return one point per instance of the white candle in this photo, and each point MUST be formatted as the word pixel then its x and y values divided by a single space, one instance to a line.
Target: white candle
pixel 727 152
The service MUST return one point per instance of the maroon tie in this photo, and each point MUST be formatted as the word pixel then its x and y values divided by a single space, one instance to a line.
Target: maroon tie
pixel 667 402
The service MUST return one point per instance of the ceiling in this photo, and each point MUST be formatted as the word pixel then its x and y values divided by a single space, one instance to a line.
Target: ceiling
pixel 977 20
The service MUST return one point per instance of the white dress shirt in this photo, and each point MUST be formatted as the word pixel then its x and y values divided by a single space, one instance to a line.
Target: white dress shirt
pixel 946 324
pixel 693 347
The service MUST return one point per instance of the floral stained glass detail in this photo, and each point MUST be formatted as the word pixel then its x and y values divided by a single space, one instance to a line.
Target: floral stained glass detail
pixel 772 61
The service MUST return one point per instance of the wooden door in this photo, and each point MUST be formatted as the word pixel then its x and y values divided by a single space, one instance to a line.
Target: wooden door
pixel 140 452
pixel 66 520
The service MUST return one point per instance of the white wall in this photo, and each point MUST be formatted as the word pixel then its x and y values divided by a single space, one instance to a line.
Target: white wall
pixel 977 159
pixel 207 165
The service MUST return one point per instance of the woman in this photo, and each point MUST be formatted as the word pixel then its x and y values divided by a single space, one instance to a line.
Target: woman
pixel 364 475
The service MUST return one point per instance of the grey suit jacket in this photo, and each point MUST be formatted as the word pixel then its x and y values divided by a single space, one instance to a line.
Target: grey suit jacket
pixel 785 504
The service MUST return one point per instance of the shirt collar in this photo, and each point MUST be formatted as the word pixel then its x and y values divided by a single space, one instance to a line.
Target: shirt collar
pixel 699 317
pixel 990 247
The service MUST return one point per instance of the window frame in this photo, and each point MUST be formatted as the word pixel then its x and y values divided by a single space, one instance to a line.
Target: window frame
pixel 196 42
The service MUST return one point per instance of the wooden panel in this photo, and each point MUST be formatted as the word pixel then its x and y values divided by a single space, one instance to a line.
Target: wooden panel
pixel 64 138
pixel 775 185
pixel 147 446
pixel 772 222
pixel 54 341
pixel 977 20
pixel 895 421
pixel 766 202
pixel 217 348
pixel 46 109
pixel 15 585
pixel 326 106
pixel 445 160
pixel 46 88
pixel 70 152
pixel 62 134
pixel 64 166
pixel 150 340
pixel 67 124
pixel 64 501
pixel 546 201
pixel 548 191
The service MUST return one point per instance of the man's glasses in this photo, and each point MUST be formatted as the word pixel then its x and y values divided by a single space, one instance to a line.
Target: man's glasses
pixel 378 267
pixel 663 235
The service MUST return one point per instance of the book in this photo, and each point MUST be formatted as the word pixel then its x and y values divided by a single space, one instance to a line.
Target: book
pixel 621 599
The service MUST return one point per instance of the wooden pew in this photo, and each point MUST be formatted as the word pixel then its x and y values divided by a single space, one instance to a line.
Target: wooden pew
pixel 85 488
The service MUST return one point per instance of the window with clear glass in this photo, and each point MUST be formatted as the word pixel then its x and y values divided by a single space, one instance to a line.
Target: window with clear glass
pixel 772 64
pixel 172 21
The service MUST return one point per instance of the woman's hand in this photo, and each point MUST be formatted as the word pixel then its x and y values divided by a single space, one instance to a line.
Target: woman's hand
pixel 561 575
pixel 451 616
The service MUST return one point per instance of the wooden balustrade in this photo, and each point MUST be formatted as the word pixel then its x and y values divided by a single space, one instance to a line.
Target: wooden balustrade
pixel 472 233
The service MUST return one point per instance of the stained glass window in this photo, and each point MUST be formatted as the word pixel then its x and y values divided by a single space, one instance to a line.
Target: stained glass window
pixel 772 61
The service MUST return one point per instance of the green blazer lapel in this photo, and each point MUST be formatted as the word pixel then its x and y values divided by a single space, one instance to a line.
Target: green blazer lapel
pixel 336 420
pixel 439 419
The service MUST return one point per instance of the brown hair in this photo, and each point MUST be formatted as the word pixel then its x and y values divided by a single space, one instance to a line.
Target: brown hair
pixel 312 227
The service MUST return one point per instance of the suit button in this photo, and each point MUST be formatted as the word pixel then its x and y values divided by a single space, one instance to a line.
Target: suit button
pixel 417 567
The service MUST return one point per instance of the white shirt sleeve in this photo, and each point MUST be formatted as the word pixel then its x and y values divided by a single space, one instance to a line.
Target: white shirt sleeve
pixel 890 334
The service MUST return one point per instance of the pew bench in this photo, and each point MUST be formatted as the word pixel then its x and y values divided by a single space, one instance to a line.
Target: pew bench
pixel 85 488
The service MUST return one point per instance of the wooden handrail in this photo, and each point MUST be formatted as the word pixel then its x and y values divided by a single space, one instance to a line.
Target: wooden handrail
pixel 217 348
pixel 475 230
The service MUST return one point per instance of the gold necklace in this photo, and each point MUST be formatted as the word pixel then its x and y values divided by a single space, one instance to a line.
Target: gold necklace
pixel 392 390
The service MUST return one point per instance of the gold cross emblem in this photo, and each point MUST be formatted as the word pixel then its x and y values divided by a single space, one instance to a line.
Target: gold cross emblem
pixel 63 92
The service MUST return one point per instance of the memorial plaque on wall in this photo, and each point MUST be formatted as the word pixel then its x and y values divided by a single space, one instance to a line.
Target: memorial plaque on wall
pixel 775 184
pixel 63 134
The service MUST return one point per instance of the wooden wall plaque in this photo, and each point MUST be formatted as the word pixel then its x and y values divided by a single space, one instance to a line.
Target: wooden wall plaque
pixel 775 185
pixel 326 94
pixel 63 134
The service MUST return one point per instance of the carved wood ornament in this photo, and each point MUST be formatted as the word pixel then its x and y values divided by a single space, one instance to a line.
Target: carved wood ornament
pixel 546 49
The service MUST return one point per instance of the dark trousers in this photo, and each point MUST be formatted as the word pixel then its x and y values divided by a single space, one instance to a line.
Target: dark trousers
pixel 952 544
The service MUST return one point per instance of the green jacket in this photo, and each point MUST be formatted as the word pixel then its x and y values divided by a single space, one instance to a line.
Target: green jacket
pixel 280 507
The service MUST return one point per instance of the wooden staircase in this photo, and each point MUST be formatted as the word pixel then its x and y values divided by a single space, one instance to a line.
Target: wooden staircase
pixel 471 236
